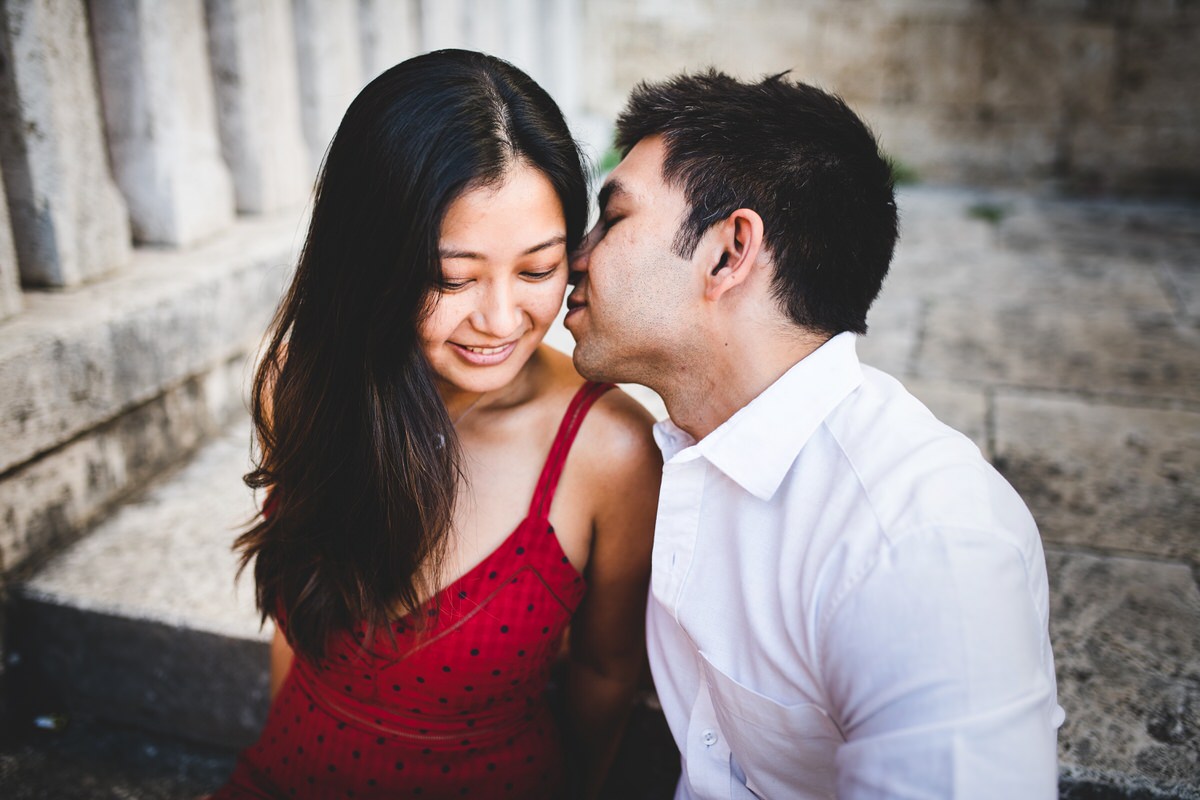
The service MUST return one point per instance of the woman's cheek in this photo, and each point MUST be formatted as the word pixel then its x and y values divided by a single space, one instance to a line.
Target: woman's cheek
pixel 549 302
pixel 440 323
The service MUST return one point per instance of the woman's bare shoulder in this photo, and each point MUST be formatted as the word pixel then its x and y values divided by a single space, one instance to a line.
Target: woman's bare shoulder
pixel 618 441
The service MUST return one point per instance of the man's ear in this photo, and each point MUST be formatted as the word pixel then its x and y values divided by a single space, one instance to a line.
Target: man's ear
pixel 738 246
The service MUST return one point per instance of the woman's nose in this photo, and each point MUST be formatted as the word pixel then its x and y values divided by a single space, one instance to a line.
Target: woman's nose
pixel 499 314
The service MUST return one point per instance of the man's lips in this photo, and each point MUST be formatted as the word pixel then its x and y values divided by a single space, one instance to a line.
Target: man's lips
pixel 574 309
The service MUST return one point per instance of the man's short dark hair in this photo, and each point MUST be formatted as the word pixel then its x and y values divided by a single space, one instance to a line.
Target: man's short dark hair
pixel 797 156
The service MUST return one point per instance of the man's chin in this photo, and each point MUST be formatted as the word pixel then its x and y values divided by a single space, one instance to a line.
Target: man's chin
pixel 587 364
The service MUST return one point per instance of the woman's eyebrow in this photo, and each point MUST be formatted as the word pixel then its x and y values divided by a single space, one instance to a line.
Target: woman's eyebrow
pixel 551 242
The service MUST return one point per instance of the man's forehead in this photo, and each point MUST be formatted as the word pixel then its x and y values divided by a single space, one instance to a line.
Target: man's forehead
pixel 639 175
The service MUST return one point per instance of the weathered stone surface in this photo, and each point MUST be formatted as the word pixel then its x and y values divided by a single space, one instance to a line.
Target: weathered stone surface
pixel 1129 228
pixel 166 555
pixel 10 279
pixel 142 621
pixel 1036 64
pixel 1146 87
pixel 176 680
pixel 1134 156
pixel 1064 92
pixel 893 332
pixel 330 67
pixel 93 760
pixel 73 360
pixel 927 60
pixel 253 52
pixel 152 62
pixel 1049 277
pixel 1104 476
pixel 1184 280
pixel 391 32
pixel 51 501
pixel 1110 351
pixel 1126 637
pixel 68 219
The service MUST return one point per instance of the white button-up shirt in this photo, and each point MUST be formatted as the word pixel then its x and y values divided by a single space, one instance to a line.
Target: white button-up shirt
pixel 847 600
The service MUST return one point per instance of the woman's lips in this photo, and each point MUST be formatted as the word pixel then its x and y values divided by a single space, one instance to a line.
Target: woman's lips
pixel 484 356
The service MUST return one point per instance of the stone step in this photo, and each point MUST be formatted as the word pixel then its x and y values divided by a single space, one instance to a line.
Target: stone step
pixel 102 386
pixel 141 622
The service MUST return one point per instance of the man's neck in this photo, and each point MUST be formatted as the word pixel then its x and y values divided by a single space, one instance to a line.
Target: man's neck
pixel 705 392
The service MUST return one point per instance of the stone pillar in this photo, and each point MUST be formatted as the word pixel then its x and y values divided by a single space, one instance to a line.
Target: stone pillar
pixel 485 26
pixel 253 54
pixel 523 43
pixel 330 67
pixel 562 39
pixel 390 31
pixel 442 24
pixel 152 61
pixel 10 280
pixel 68 220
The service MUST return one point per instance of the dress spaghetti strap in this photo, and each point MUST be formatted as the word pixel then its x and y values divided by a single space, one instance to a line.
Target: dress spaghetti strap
pixel 581 403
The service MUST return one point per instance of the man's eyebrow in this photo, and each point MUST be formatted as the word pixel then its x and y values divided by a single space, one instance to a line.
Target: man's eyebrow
pixel 613 187
pixel 537 248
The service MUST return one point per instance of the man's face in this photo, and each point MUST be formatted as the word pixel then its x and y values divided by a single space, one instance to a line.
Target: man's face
pixel 630 307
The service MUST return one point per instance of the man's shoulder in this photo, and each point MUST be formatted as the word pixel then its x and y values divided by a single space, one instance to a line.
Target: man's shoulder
pixel 916 471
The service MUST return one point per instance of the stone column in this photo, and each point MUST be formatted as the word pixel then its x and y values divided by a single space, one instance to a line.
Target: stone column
pixel 159 111
pixel 330 67
pixel 523 45
pixel 485 26
pixel 10 280
pixel 442 24
pixel 253 54
pixel 69 221
pixel 391 32
pixel 562 39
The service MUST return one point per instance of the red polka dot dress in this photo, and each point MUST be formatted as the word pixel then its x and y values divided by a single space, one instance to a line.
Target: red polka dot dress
pixel 457 710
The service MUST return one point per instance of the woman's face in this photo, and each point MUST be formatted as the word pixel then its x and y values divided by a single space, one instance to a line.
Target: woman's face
pixel 504 272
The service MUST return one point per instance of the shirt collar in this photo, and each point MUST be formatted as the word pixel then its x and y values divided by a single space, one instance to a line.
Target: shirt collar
pixel 757 445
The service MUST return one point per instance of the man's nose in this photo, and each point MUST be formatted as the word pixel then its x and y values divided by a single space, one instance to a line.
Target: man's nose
pixel 581 257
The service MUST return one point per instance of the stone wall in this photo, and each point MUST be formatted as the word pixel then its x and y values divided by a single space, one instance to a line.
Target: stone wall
pixel 1081 94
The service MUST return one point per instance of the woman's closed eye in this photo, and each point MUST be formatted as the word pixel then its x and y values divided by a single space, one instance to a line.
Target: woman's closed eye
pixel 452 284
pixel 540 274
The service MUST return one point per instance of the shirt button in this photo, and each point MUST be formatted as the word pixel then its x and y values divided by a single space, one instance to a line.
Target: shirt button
pixel 709 738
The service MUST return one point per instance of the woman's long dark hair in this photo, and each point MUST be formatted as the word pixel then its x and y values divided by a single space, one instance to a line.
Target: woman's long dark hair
pixel 357 449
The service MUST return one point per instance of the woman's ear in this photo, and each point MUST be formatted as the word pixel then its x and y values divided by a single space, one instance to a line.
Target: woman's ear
pixel 738 246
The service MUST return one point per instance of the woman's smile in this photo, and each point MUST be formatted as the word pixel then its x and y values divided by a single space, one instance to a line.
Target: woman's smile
pixel 484 356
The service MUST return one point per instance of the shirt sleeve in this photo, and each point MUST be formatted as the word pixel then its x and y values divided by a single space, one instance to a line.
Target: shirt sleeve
pixel 938 669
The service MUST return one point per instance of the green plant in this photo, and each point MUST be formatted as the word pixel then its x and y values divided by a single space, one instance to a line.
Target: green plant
pixel 902 174
pixel 609 160
pixel 992 213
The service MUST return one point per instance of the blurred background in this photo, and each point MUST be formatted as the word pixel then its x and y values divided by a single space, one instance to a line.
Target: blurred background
pixel 157 157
